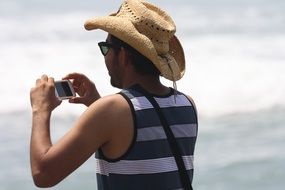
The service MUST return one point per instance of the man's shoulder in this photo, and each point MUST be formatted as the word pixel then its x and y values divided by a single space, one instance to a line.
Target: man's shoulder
pixel 113 98
pixel 111 104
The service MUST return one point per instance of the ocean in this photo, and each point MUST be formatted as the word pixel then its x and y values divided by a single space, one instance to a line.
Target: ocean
pixel 235 73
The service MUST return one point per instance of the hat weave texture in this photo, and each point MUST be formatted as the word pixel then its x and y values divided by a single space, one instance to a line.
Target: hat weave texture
pixel 150 31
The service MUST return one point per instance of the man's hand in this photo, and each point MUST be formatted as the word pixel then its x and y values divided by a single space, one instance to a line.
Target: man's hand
pixel 42 96
pixel 84 87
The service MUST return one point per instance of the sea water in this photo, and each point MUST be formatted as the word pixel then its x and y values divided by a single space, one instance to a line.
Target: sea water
pixel 235 72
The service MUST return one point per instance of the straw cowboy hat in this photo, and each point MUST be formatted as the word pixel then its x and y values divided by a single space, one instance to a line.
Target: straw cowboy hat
pixel 150 31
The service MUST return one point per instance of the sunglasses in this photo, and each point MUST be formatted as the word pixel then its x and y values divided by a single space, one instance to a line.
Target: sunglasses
pixel 105 46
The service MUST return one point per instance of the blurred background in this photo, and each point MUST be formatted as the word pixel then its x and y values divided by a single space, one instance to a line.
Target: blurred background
pixel 235 54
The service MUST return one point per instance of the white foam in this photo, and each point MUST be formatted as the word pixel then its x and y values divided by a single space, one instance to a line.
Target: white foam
pixel 226 72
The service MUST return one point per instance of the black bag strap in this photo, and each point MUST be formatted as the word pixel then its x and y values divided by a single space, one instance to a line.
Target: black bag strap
pixel 185 180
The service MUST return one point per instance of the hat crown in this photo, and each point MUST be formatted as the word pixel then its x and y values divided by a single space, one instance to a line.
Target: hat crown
pixel 150 31
pixel 150 21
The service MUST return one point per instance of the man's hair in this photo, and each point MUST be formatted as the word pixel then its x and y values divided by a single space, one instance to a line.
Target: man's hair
pixel 142 65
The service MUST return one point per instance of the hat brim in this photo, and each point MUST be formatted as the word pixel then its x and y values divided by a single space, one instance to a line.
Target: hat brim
pixel 126 31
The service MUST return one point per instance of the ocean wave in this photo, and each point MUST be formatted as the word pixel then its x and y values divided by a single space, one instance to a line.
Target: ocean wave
pixel 201 20
pixel 234 54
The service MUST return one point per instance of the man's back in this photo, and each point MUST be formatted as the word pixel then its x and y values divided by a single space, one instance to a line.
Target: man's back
pixel 149 163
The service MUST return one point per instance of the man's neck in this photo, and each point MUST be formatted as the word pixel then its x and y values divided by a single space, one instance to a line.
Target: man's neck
pixel 149 83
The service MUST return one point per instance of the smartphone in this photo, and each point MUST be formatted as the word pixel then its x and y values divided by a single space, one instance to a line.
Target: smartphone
pixel 64 89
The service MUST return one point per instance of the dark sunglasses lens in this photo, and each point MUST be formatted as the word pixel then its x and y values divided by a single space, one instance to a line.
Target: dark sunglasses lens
pixel 104 49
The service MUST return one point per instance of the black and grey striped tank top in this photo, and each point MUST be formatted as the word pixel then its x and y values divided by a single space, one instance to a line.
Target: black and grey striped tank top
pixel 149 163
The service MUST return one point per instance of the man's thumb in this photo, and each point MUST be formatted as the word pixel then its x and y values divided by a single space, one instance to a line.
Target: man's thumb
pixel 76 100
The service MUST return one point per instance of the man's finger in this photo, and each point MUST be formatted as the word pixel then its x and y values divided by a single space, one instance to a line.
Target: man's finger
pixel 51 80
pixel 72 76
pixel 44 77
pixel 38 81
pixel 76 100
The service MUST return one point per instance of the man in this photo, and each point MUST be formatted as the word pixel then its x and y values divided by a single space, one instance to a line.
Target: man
pixel 125 130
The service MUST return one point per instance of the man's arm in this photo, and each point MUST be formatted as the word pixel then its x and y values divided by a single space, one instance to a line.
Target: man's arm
pixel 52 163
pixel 40 143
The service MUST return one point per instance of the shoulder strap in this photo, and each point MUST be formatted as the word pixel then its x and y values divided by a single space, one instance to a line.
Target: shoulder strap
pixel 185 180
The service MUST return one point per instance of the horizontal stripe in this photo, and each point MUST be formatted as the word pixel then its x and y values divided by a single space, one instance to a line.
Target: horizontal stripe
pixel 189 148
pixel 151 121
pixel 174 100
pixel 155 149
pixel 159 148
pixel 155 133
pixel 162 181
pixel 150 166
pixel 174 116
pixel 141 103
pixel 181 114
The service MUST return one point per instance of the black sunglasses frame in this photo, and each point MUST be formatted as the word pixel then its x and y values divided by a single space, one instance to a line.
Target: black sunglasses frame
pixel 105 47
